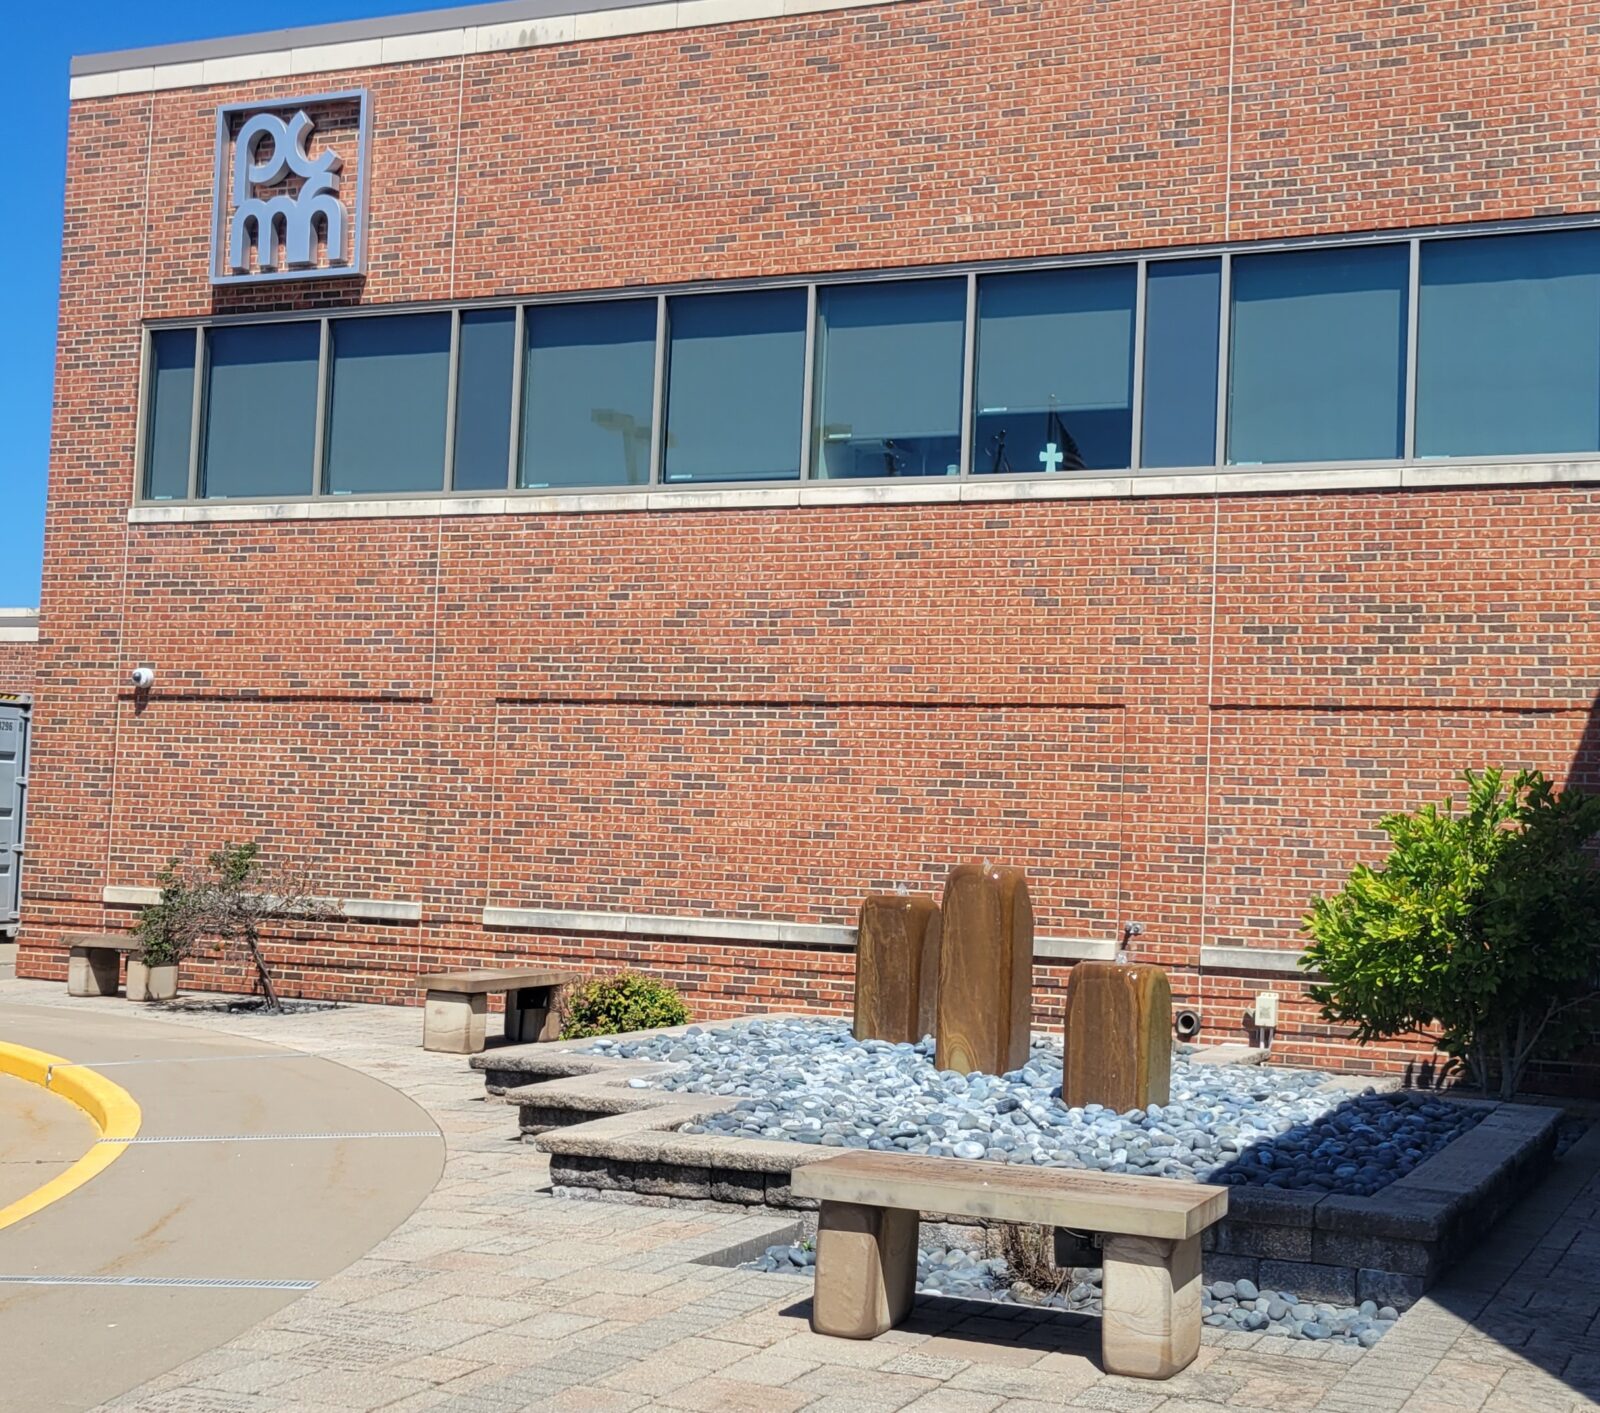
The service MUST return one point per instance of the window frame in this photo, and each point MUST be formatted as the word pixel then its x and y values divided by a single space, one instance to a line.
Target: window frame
pixel 971 271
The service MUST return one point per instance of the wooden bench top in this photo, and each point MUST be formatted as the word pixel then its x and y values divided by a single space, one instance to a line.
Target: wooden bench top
pixel 1117 1203
pixel 103 941
pixel 472 980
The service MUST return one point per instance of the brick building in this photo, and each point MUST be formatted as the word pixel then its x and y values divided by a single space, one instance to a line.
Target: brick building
pixel 19 650
pixel 679 467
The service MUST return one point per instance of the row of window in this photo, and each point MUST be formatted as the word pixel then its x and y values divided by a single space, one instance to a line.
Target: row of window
pixel 1082 367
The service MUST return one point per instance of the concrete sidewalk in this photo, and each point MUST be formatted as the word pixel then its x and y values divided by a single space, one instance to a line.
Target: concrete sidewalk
pixel 496 1296
pixel 231 1198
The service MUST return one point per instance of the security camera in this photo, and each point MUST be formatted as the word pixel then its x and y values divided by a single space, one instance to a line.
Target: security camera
pixel 143 677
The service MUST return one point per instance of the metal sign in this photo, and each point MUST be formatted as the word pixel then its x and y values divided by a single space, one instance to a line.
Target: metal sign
pixel 283 212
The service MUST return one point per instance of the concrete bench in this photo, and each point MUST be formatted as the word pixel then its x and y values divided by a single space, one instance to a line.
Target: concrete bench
pixel 867 1243
pixel 95 960
pixel 457 1004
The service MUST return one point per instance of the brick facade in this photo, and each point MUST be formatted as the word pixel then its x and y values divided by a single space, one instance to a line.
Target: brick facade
pixel 1189 711
pixel 18 667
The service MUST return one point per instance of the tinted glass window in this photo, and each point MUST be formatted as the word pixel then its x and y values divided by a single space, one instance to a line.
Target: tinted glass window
pixel 261 410
pixel 589 386
pixel 1508 345
pixel 1055 370
pixel 486 356
pixel 735 385
pixel 888 382
pixel 386 403
pixel 168 418
pixel 1181 312
pixel 1318 355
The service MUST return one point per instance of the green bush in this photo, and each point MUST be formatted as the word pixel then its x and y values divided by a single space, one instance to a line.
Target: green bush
pixel 628 1000
pixel 1480 931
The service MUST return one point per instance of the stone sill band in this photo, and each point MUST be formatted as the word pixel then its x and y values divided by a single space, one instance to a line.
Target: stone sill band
pixel 355 909
pixel 741 930
pixel 751 932
pixel 934 491
pixel 325 48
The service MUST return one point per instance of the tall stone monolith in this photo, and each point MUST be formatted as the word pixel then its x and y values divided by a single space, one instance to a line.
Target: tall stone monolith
pixel 985 970
pixel 1117 1047
pixel 897 967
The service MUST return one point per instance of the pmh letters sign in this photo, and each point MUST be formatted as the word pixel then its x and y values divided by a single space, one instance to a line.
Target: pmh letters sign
pixel 291 186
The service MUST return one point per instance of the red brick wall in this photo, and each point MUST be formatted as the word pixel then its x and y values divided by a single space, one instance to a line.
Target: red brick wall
pixel 19 664
pixel 1187 711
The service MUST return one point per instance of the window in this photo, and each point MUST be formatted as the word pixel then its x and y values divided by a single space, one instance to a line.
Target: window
pixel 888 380
pixel 1055 370
pixel 386 403
pixel 1318 355
pixel 486 359
pixel 261 409
pixel 735 385
pixel 589 389
pixel 1182 308
pixel 1508 345
pixel 169 418
pixel 715 386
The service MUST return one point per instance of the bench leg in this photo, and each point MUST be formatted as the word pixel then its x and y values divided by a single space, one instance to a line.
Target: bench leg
pixel 453 1021
pixel 866 1269
pixel 533 1013
pixel 1151 1327
pixel 92 971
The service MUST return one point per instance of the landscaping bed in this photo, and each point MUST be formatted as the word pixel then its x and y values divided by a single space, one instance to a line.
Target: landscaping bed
pixel 812 1082
pixel 640 1118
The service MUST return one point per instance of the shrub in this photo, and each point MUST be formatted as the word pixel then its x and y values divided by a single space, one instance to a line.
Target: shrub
pixel 628 1000
pixel 1480 931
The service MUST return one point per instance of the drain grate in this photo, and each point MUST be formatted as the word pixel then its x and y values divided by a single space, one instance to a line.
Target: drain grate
pixel 164 1282
pixel 268 1137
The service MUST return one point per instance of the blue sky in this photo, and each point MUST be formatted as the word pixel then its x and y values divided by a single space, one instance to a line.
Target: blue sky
pixel 30 238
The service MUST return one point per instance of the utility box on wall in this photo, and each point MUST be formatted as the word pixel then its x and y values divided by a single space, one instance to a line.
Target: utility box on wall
pixel 15 719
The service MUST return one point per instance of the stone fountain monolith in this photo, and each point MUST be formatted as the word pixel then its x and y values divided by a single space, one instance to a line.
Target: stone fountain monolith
pixel 897 967
pixel 1117 1048
pixel 985 970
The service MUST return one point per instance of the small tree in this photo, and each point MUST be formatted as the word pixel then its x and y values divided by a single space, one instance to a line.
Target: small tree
pixel 231 897
pixel 1480 931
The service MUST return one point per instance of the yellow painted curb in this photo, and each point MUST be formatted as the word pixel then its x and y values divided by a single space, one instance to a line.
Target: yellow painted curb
pixel 109 1105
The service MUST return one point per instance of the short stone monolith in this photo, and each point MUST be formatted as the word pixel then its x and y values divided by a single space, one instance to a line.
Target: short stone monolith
pixel 1117 1048
pixel 897 967
pixel 985 970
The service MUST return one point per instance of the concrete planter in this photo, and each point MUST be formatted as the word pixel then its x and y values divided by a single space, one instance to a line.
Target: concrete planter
pixel 152 983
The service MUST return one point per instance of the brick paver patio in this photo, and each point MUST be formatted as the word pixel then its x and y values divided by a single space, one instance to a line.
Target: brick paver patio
pixel 495 1295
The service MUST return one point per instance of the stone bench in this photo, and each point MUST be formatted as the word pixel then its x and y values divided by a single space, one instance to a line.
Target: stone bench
pixel 457 1004
pixel 95 961
pixel 867 1243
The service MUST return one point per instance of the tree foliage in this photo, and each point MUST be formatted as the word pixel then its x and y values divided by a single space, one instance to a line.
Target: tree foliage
pixel 228 899
pixel 614 1005
pixel 1480 931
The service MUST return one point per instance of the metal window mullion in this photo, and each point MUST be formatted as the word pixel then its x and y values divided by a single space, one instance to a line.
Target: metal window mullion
pixel 202 380
pixel 141 421
pixel 451 382
pixel 808 383
pixel 1136 410
pixel 519 352
pixel 320 442
pixel 969 366
pixel 1408 447
pixel 1224 341
pixel 658 395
